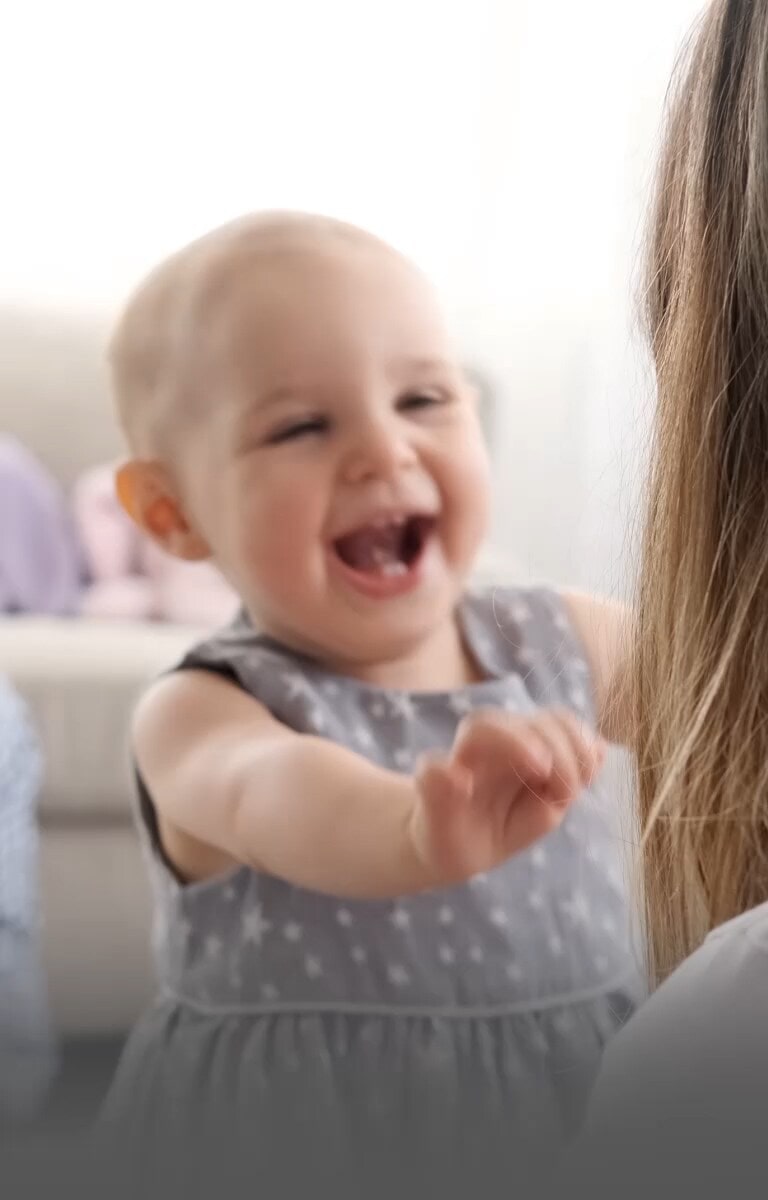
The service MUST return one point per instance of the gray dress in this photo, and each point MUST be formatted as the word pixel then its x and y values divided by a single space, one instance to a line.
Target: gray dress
pixel 423 1046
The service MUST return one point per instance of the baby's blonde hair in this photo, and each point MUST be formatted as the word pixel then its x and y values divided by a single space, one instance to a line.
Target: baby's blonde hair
pixel 153 354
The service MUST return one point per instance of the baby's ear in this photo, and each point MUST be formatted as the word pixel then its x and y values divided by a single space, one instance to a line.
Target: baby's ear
pixel 145 491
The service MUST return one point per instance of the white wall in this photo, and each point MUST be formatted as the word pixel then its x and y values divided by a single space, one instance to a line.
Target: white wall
pixel 505 144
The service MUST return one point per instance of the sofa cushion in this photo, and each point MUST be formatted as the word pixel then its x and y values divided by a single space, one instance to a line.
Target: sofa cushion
pixel 81 679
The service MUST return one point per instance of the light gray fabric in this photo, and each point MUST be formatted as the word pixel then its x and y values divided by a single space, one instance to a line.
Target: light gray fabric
pixel 26 1043
pixel 432 1036
pixel 681 1104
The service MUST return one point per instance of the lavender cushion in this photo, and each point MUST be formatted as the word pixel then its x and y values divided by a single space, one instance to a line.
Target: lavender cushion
pixel 39 558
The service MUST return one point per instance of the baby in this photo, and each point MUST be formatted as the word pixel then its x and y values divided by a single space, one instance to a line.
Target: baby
pixel 377 978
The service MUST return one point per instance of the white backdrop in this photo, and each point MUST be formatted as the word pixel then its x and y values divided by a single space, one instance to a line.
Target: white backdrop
pixel 506 145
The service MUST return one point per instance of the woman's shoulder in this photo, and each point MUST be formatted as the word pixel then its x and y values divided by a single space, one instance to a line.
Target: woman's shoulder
pixel 682 1091
pixel 713 992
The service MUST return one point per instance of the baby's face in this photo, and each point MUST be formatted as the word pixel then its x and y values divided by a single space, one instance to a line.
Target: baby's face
pixel 341 478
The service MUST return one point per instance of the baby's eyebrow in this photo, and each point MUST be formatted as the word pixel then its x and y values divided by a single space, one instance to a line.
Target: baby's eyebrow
pixel 422 365
pixel 275 397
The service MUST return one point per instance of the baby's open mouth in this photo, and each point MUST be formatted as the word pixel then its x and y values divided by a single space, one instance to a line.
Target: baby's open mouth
pixel 387 548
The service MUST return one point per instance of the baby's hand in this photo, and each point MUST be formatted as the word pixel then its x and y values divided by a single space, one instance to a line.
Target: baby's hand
pixel 507 781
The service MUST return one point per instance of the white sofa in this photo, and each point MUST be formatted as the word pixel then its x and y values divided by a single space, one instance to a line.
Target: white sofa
pixel 81 678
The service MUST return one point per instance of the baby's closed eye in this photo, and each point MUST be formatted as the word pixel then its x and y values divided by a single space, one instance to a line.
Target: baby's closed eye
pixel 423 399
pixel 295 430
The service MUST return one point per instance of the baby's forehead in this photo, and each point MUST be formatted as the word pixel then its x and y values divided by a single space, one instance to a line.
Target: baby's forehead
pixel 286 302
pixel 214 307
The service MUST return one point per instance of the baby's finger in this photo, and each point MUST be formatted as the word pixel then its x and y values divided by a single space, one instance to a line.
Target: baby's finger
pixel 565 777
pixel 513 740
pixel 590 750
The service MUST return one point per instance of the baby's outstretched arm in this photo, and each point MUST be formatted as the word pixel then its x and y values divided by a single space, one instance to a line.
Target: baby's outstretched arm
pixel 232 785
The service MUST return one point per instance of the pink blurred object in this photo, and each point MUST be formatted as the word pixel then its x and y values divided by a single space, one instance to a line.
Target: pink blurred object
pixel 132 578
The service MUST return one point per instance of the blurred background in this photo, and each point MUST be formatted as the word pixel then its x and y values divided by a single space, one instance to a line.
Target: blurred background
pixel 507 145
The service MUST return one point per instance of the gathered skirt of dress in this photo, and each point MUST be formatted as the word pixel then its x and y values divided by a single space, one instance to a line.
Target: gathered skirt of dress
pixel 289 1104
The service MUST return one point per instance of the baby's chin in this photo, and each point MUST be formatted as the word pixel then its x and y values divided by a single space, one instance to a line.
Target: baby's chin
pixel 356 643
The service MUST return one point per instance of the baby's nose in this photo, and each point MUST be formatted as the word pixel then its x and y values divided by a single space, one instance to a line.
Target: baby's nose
pixel 379 451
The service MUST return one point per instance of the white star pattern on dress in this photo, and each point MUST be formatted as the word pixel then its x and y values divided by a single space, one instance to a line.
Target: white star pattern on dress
pixel 331 688
pixel 255 925
pixel 445 916
pixel 269 992
pixel 401 919
pixel 578 698
pixel 476 954
pixel 313 966
pixel 344 917
pixel 519 612
pixel 229 893
pixel 460 703
pixel 397 975
pixel 298 686
pixel 561 622
pixel 499 918
pixel 479 881
pixel 563 1023
pixel 213 946
pixel 447 955
pixel 402 705
pixel 535 901
pixel 555 944
pixel 483 647
pixel 403 759
pixel 526 658
pixel 317 717
pixel 292 931
pixel 364 737
pixel 359 955
pixel 378 709
pixel 514 972
pixel 608 925
pixel 539 856
pixel 576 909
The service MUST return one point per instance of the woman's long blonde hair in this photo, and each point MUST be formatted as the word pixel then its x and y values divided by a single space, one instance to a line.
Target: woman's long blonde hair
pixel 701 670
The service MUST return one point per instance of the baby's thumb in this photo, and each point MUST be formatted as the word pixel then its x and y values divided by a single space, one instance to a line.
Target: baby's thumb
pixel 441 781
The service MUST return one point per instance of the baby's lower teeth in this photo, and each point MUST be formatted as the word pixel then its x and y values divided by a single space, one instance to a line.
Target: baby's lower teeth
pixel 393 568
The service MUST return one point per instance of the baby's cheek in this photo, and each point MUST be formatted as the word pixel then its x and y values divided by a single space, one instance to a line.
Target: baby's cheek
pixel 280 539
pixel 472 499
